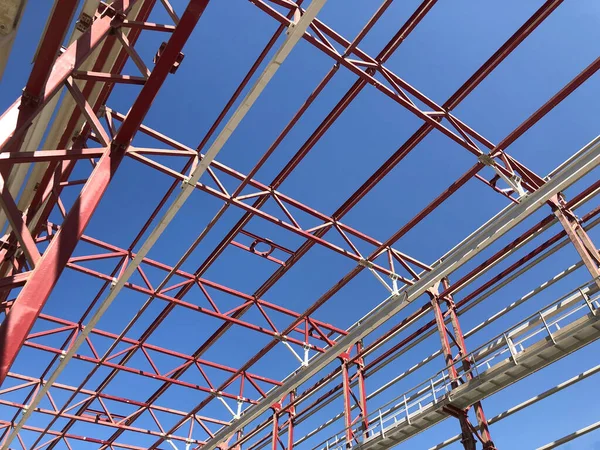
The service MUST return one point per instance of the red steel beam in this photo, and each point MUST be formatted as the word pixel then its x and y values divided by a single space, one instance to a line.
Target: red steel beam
pixel 22 234
pixel 66 436
pixel 10 158
pixel 15 121
pixel 432 114
pixel 65 169
pixel 232 100
pixel 36 291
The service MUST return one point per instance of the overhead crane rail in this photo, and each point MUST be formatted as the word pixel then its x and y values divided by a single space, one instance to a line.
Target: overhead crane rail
pixel 553 332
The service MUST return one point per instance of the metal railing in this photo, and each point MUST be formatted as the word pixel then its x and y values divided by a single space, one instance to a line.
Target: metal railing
pixel 510 344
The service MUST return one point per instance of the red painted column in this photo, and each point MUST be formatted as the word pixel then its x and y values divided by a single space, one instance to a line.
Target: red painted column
pixel 291 421
pixel 278 411
pixel 579 238
pixel 275 433
pixel 18 117
pixel 32 298
pixel 362 392
pixel 469 432
pixel 350 397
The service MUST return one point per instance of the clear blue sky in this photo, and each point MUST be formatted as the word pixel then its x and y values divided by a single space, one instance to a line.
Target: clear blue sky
pixel 450 44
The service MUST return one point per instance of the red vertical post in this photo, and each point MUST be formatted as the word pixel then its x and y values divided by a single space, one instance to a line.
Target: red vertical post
pixel 469 432
pixel 362 392
pixel 275 433
pixel 579 238
pixel 291 421
pixel 360 400
pixel 278 411
pixel 347 404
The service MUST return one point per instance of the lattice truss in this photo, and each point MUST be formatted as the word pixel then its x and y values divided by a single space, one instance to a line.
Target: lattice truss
pixel 114 338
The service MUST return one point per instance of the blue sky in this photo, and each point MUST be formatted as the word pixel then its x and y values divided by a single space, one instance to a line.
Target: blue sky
pixel 443 51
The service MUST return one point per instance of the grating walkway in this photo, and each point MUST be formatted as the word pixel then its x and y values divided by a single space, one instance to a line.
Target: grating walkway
pixel 554 332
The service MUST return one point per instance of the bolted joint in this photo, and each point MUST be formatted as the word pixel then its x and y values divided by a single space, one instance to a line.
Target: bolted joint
pixel 486 159
pixel 101 111
pixel 365 263
pixel 27 99
pixel 187 182
pixel 116 147
pixel 344 357
pixel 84 22
pixel 177 62
pixel 276 407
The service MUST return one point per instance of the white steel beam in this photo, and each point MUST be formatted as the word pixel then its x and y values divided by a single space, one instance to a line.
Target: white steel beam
pixel 521 406
pixel 571 436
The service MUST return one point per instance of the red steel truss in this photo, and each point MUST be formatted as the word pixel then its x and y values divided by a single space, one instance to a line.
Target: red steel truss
pixel 46 238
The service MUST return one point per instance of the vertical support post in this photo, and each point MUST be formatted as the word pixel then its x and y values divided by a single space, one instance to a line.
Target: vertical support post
pixel 275 433
pixel 347 404
pixel 362 392
pixel 291 421
pixel 359 399
pixel 469 433
pixel 579 238
pixel 278 411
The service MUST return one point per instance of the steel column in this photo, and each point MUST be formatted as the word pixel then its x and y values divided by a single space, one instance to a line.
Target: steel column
pixel 278 411
pixel 40 284
pixel 578 236
pixel 468 431
pixel 14 122
pixel 350 397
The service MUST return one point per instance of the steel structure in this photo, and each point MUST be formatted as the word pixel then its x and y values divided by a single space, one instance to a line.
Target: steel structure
pixel 299 362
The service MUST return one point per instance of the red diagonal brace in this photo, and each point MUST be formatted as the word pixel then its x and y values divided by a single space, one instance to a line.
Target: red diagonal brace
pixel 40 284
pixel 361 401
pixel 7 203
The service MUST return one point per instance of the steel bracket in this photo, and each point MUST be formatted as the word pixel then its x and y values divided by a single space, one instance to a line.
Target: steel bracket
pixel 177 62
pixel 84 22
pixel 514 181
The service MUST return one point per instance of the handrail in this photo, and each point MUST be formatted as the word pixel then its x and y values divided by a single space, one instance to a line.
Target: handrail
pixel 510 343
